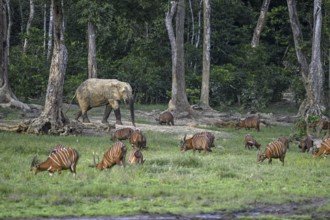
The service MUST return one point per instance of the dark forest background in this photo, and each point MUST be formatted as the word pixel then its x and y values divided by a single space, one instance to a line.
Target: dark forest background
pixel 133 46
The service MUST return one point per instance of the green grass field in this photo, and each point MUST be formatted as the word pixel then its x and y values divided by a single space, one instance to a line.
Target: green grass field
pixel 226 180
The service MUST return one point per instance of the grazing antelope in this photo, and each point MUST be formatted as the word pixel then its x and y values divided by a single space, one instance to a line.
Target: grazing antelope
pixel 249 142
pixel 210 136
pixel 136 156
pixel 138 139
pixel 249 122
pixel 121 134
pixel 275 149
pixel 196 142
pixel 60 158
pixel 324 149
pixel 114 155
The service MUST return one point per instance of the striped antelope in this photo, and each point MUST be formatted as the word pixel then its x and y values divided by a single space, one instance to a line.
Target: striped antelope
pixel 249 142
pixel 275 149
pixel 60 158
pixel 136 156
pixel 324 149
pixel 210 136
pixel 196 142
pixel 121 134
pixel 114 155
pixel 138 139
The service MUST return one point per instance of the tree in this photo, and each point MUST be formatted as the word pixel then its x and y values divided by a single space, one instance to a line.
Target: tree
pixel 260 24
pixel 52 118
pixel 204 100
pixel 7 97
pixel 179 101
pixel 28 26
pixel 50 32
pixel 312 74
pixel 92 68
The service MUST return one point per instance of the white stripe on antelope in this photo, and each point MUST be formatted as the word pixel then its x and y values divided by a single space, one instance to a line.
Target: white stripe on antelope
pixel 60 158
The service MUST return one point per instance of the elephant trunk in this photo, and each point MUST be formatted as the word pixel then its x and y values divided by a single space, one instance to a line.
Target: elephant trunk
pixel 131 107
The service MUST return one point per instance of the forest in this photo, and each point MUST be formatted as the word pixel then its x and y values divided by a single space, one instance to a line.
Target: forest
pixel 132 45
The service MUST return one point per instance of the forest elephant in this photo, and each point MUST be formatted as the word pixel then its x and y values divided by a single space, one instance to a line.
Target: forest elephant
pixel 98 92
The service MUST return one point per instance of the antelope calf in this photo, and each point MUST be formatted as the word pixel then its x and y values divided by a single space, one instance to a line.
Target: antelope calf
pixel 249 142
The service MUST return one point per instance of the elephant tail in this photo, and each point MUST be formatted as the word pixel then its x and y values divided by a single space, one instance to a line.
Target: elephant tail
pixel 71 102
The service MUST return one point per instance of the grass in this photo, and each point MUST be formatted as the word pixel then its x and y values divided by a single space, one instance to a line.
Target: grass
pixel 169 181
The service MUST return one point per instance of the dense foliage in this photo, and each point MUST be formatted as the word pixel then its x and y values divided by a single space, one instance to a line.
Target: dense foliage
pixel 133 46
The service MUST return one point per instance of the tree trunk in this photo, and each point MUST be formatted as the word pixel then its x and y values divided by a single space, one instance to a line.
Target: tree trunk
pixel 52 118
pixel 312 76
pixel 28 26
pixel 7 97
pixel 92 68
pixel 45 27
pixel 260 24
pixel 10 23
pixel 192 23
pixel 179 101
pixel 204 101
pixel 198 37
pixel 50 32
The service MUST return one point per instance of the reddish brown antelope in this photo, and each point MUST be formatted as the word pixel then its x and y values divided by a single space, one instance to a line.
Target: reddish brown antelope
pixel 196 142
pixel 61 158
pixel 275 149
pixel 166 118
pixel 249 122
pixel 138 139
pixel 249 142
pixel 114 155
pixel 121 134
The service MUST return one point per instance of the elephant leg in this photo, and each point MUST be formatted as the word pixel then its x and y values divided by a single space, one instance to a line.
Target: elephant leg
pixel 78 115
pixel 84 115
pixel 118 116
pixel 106 114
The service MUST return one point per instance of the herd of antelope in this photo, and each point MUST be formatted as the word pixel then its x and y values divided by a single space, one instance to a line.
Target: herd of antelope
pixel 63 158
